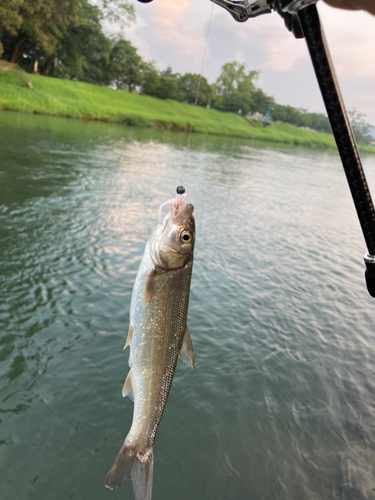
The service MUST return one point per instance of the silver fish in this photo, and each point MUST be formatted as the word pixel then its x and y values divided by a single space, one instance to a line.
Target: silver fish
pixel 157 336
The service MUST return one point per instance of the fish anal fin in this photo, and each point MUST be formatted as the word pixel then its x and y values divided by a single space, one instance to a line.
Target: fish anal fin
pixel 130 336
pixel 187 352
pixel 149 286
pixel 127 390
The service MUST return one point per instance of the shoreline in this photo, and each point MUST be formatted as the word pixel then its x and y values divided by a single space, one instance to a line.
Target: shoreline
pixel 34 94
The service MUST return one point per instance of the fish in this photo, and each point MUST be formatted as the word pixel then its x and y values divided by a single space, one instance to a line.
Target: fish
pixel 157 336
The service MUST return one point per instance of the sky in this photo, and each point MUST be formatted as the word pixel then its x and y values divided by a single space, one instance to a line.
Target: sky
pixel 174 32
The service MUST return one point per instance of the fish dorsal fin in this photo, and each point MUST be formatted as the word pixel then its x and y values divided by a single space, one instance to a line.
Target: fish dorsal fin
pixel 127 390
pixel 187 353
pixel 130 336
pixel 149 286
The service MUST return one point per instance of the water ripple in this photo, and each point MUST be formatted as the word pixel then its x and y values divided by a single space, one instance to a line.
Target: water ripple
pixel 282 402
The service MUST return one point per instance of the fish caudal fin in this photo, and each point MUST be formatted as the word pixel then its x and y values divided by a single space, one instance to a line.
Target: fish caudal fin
pixel 141 476
pixel 132 463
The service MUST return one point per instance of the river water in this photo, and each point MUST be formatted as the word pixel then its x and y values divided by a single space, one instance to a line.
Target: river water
pixel 282 404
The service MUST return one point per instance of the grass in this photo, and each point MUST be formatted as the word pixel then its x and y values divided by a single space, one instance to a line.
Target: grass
pixel 50 96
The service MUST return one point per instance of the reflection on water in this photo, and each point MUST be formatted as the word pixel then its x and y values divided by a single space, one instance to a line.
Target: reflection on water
pixel 282 402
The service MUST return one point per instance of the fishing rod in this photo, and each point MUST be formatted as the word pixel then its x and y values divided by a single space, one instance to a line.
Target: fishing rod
pixel 302 19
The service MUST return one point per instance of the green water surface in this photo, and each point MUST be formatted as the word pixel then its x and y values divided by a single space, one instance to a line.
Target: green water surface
pixel 282 404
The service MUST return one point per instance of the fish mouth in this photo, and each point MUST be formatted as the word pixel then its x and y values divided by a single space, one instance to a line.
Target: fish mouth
pixel 181 212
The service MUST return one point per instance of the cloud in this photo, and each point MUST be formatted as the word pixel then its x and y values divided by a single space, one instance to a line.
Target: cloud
pixel 261 42
pixel 173 33
pixel 351 39
pixel 166 13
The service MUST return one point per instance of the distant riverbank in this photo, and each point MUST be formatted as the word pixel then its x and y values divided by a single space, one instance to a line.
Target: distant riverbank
pixel 51 96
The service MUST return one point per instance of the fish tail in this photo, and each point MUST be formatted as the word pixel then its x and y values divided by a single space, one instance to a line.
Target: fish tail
pixel 135 464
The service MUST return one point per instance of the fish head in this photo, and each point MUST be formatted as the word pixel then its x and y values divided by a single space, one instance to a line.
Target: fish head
pixel 172 244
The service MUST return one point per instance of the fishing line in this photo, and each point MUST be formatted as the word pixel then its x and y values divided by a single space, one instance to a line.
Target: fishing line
pixel 197 94
pixel 179 199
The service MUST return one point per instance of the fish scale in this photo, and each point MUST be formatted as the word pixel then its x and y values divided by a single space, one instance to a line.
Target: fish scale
pixel 157 346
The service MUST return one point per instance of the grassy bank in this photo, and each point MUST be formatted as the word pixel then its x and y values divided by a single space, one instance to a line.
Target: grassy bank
pixel 50 96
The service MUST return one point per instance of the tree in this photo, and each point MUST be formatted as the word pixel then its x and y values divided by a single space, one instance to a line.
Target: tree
pixel 10 19
pixel 168 88
pixel 363 131
pixel 125 65
pixel 66 34
pixel 158 85
pixel 168 73
pixel 320 122
pixel 234 77
pixel 83 53
pixel 38 24
pixel 235 86
pixel 261 101
pixel 150 79
pixel 189 83
pixel 117 11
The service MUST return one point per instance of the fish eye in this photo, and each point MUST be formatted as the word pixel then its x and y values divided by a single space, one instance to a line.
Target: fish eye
pixel 186 237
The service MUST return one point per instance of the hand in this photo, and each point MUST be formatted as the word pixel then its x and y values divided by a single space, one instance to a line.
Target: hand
pixel 368 5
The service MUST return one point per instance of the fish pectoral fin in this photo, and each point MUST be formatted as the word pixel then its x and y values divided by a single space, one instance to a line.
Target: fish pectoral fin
pixel 149 286
pixel 130 336
pixel 187 352
pixel 127 390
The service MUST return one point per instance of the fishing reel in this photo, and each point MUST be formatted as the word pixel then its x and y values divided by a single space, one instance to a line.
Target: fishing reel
pixel 243 10
pixel 302 19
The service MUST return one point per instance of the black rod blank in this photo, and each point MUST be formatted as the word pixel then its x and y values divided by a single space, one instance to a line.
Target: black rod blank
pixel 338 118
